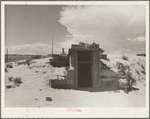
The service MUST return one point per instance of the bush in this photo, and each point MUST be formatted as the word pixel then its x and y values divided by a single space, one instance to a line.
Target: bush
pixel 18 80
pixel 10 65
pixel 6 69
pixel 33 62
pixel 143 71
pixel 137 71
pixel 28 62
pixel 125 57
pixel 138 63
pixel 10 78
pixel 8 86
pixel 142 66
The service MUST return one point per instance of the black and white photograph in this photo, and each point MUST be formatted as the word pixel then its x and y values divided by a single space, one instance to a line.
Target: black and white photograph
pixel 76 57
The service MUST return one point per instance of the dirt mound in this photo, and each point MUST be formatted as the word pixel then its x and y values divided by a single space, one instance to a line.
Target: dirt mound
pixel 136 64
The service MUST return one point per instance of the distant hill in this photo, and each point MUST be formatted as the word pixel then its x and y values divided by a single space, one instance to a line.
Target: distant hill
pixel 141 55
pixel 17 57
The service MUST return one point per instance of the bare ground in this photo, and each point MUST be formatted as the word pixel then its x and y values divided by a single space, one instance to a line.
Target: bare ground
pixel 35 88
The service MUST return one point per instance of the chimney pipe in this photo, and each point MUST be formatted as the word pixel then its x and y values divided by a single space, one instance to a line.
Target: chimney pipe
pixel 62 50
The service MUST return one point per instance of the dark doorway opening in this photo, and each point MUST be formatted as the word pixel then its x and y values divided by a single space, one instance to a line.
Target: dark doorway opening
pixel 84 56
pixel 84 69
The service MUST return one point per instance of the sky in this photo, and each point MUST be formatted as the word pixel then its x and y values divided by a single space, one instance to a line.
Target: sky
pixel 117 29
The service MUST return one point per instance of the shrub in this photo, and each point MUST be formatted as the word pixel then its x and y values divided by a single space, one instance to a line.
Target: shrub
pixel 28 62
pixel 8 86
pixel 133 81
pixel 18 80
pixel 10 78
pixel 125 57
pixel 10 65
pixel 33 62
pixel 6 69
pixel 137 71
pixel 138 63
pixel 143 71
pixel 132 77
pixel 142 66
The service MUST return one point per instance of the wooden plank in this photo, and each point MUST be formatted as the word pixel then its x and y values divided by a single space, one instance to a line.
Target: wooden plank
pixel 69 77
pixel 96 57
pixel 74 62
pixel 92 69
pixel 84 62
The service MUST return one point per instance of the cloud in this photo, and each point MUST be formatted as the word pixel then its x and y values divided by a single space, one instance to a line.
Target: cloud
pixel 114 28
pixel 69 36
pixel 140 38
pixel 35 49
pixel 121 51
pixel 109 26
pixel 129 39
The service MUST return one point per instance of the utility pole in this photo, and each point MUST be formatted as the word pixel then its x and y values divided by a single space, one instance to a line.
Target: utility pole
pixel 52 46
pixel 7 54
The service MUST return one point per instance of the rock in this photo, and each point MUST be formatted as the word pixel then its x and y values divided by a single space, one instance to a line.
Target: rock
pixel 48 99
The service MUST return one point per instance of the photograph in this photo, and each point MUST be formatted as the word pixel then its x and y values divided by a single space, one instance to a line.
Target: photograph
pixel 75 57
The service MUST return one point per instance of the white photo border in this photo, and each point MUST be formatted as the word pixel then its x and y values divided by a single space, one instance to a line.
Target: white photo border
pixel 62 112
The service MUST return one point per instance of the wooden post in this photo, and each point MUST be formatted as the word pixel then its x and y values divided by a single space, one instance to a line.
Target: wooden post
pixel 52 46
pixel 7 54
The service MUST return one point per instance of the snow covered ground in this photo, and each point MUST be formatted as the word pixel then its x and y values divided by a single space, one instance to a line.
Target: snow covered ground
pixel 137 65
pixel 34 89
